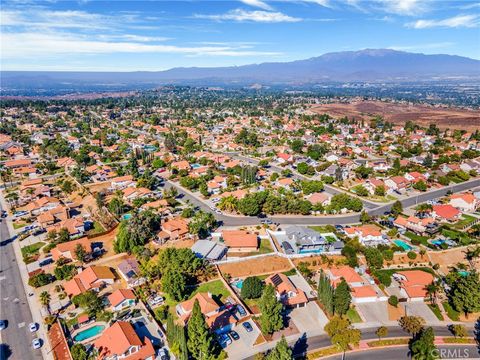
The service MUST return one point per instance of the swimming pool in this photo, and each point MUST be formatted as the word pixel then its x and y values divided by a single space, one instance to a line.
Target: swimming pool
pixel 463 273
pixel 89 333
pixel 402 244
pixel 126 216
pixel 196 166
pixel 438 242
pixel 238 284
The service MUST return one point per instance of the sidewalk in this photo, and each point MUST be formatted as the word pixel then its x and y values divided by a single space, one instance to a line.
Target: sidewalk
pixel 33 303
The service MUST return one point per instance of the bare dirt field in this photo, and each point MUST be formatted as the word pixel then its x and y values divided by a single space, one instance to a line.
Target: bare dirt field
pixel 257 266
pixel 448 258
pixel 400 113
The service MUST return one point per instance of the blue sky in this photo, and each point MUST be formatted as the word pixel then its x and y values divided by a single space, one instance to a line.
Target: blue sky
pixel 91 35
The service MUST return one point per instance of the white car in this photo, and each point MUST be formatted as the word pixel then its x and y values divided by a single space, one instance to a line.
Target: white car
pixel 33 327
pixel 36 343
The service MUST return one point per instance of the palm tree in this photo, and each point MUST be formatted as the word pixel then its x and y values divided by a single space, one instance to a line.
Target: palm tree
pixel 228 203
pixel 432 292
pixel 45 300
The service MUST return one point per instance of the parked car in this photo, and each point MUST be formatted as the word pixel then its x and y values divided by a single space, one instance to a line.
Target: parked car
pixel 247 326
pixel 234 335
pixel 36 343
pixel 33 327
pixel 163 354
pixel 45 262
pixel 4 214
pixel 224 340
pixel 3 324
pixel 20 214
pixel 241 310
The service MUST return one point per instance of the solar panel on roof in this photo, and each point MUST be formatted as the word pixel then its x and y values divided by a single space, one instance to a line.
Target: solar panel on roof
pixel 276 279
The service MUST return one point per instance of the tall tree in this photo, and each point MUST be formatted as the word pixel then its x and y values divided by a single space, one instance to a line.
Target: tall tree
pixel 271 319
pixel 342 298
pixel 45 299
pixel 200 341
pixel 281 351
pixel 411 324
pixel 423 347
pixel 325 292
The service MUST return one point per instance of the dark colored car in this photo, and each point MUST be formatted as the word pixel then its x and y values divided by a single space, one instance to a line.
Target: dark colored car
pixel 234 335
pixel 247 326
pixel 241 310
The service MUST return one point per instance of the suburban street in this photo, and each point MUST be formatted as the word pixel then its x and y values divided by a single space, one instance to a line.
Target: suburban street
pixel 16 338
pixel 401 352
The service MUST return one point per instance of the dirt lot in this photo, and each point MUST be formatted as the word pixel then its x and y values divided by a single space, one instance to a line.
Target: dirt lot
pixel 448 258
pixel 401 113
pixel 315 262
pixel 256 266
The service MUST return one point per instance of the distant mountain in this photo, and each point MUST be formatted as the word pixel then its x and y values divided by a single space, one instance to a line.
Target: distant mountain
pixel 363 65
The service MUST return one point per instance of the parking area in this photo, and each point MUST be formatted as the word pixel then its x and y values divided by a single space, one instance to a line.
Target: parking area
pixel 309 318
pixel 374 311
pixel 236 350
pixel 302 284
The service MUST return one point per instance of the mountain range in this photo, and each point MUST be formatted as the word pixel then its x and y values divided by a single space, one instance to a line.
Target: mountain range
pixel 364 65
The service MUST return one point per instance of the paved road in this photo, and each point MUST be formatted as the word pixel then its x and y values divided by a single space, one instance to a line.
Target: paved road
pixel 394 353
pixel 304 344
pixel 14 308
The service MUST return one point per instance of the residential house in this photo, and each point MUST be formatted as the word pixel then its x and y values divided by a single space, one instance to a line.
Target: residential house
pixel 122 182
pixel 361 290
pixel 286 292
pixel 239 240
pixel 173 229
pixel 92 278
pixel 121 342
pixel 466 202
pixel 445 212
pixel 368 235
pixel 209 250
pixel 121 299
pixel 129 270
pixel 415 224
pixel 413 283
pixel 67 249
pixel 218 319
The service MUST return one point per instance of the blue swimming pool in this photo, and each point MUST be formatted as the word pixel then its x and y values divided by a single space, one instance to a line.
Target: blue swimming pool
pixel 126 216
pixel 402 244
pixel 89 333
pixel 438 242
pixel 463 273
pixel 238 284
pixel 196 166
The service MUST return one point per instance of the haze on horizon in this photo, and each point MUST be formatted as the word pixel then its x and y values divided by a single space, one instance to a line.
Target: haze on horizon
pixel 158 35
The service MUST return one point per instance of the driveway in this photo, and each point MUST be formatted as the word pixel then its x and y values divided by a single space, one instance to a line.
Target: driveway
pixel 376 312
pixel 309 319
pixel 236 350
pixel 302 284
pixel 419 308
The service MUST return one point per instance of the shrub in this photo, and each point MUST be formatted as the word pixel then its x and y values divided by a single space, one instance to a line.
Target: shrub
pixel 161 313
pixel 412 255
pixel 384 278
pixel 393 300
pixel 40 280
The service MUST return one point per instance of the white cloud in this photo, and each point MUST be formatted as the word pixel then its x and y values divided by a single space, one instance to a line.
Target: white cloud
pixel 469 21
pixel 257 3
pixel 250 16
pixel 405 7
pixel 324 3
pixel 51 45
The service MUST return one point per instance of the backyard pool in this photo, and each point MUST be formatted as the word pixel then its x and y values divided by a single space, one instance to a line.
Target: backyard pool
pixel 126 216
pixel 196 166
pixel 238 284
pixel 438 242
pixel 402 244
pixel 89 333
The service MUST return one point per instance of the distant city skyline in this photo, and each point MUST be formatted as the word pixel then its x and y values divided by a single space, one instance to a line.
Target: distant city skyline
pixel 159 35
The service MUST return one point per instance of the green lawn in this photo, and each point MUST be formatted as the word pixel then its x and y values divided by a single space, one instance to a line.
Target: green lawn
pixel 436 310
pixel 18 225
pixel 265 247
pixel 97 228
pixel 464 221
pixel 215 287
pixel 417 239
pixel 352 314
pixel 451 312
pixel 323 229
pixel 32 249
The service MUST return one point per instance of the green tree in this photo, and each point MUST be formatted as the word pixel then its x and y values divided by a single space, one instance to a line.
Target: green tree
pixel 80 253
pixel 249 206
pixel 411 324
pixel 380 190
pixel 201 224
pixel 341 333
pixel 271 319
pixel 302 168
pixel 174 284
pixel 200 341
pixel 137 231
pixel 45 300
pixel 252 288
pixel 79 352
pixel 342 298
pixel 420 186
pixel 465 293
pixel 360 190
pixel 297 145
pixel 89 301
pixel 364 217
pixel 326 292
pixel 397 208
pixel 423 347
pixel 281 351
pixel 374 257
pixel 381 332
pixel 459 330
